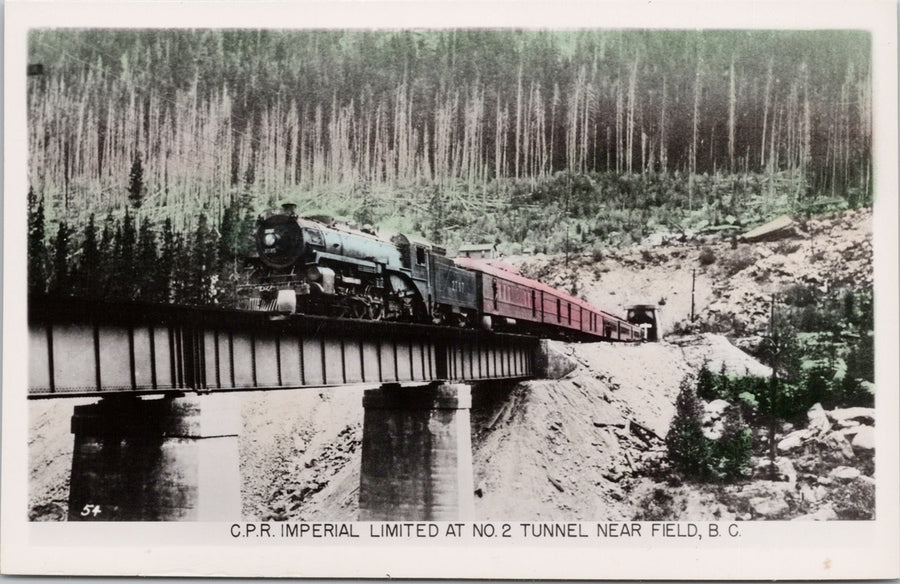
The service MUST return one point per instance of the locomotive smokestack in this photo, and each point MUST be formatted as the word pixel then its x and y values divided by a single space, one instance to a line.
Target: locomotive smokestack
pixel 289 208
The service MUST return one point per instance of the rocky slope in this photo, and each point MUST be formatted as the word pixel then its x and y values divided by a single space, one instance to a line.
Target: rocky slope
pixel 734 281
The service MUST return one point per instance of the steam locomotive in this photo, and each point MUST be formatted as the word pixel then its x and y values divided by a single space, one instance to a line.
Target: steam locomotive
pixel 314 265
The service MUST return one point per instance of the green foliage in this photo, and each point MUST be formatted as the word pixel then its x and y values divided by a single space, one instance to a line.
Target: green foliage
pixel 737 261
pixel 707 384
pixel 707 256
pixel 136 183
pixel 61 268
pixel 88 280
pixel 730 454
pixel 695 455
pixel 37 251
pixel 688 448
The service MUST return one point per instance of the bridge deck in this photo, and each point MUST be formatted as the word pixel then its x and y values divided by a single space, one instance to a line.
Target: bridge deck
pixel 88 348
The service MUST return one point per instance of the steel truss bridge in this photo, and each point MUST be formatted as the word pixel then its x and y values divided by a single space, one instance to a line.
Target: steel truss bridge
pixel 81 348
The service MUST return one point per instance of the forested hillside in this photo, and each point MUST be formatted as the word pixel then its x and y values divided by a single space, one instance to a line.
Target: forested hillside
pixel 457 135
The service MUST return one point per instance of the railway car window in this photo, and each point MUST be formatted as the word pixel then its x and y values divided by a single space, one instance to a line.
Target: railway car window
pixel 570 312
pixel 533 304
pixel 420 256
pixel 494 290
pixel 558 310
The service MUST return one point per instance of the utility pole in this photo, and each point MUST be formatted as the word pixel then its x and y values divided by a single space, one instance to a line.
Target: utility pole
pixel 773 390
pixel 693 287
pixel 566 217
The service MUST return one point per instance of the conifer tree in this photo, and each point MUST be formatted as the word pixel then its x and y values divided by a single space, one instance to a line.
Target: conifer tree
pixel 127 269
pixel 61 269
pixel 147 284
pixel 136 182
pixel 688 448
pixel 202 274
pixel 88 281
pixel 37 251
pixel 166 263
pixel 107 260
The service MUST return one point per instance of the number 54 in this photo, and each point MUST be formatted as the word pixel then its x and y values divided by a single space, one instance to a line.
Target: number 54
pixel 90 510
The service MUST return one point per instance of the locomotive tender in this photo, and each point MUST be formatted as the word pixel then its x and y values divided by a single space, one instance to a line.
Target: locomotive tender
pixel 314 266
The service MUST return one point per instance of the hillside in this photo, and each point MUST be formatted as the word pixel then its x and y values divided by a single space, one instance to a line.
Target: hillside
pixel 589 446
pixel 735 283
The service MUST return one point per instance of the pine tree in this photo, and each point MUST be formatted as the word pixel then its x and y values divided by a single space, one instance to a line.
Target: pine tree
pixel 166 264
pixel 89 269
pixel 37 251
pixel 204 265
pixel 61 269
pixel 148 287
pixel 731 452
pixel 688 448
pixel 127 272
pixel 107 260
pixel 136 183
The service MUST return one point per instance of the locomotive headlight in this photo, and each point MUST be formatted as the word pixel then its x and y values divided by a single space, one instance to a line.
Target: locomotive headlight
pixel 269 239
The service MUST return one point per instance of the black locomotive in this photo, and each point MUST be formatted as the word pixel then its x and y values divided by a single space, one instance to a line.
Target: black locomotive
pixel 313 265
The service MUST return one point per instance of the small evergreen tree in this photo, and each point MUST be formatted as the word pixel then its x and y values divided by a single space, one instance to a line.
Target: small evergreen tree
pixel 148 287
pixel 166 264
pixel 61 270
pixel 37 250
pixel 688 448
pixel 136 182
pixel 124 279
pixel 107 259
pixel 88 283
pixel 730 454
pixel 706 383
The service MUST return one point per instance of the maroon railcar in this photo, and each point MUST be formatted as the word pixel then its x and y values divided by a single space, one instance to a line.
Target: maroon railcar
pixel 509 300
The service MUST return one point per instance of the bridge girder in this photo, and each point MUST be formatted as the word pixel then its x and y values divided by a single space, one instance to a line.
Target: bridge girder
pixel 89 348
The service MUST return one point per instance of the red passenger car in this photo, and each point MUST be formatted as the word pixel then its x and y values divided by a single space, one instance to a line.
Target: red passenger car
pixel 511 301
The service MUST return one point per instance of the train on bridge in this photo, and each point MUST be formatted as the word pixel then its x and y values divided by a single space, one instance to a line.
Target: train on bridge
pixel 313 265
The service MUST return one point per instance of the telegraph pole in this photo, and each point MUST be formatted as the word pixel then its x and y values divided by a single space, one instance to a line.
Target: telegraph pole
pixel 773 390
pixel 693 287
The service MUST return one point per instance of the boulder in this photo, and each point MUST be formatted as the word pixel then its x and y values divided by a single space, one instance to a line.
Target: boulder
pixel 768 507
pixel 807 493
pixel 867 480
pixel 825 513
pixel 816 411
pixel 845 473
pixel 818 419
pixel 865 438
pixel 786 470
pixel 837 442
pixel 776 229
pixel 794 440
pixel 715 409
pixel 863 415
pixel 714 431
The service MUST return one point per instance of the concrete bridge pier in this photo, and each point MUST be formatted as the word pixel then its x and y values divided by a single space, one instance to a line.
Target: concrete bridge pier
pixel 169 459
pixel 417 454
